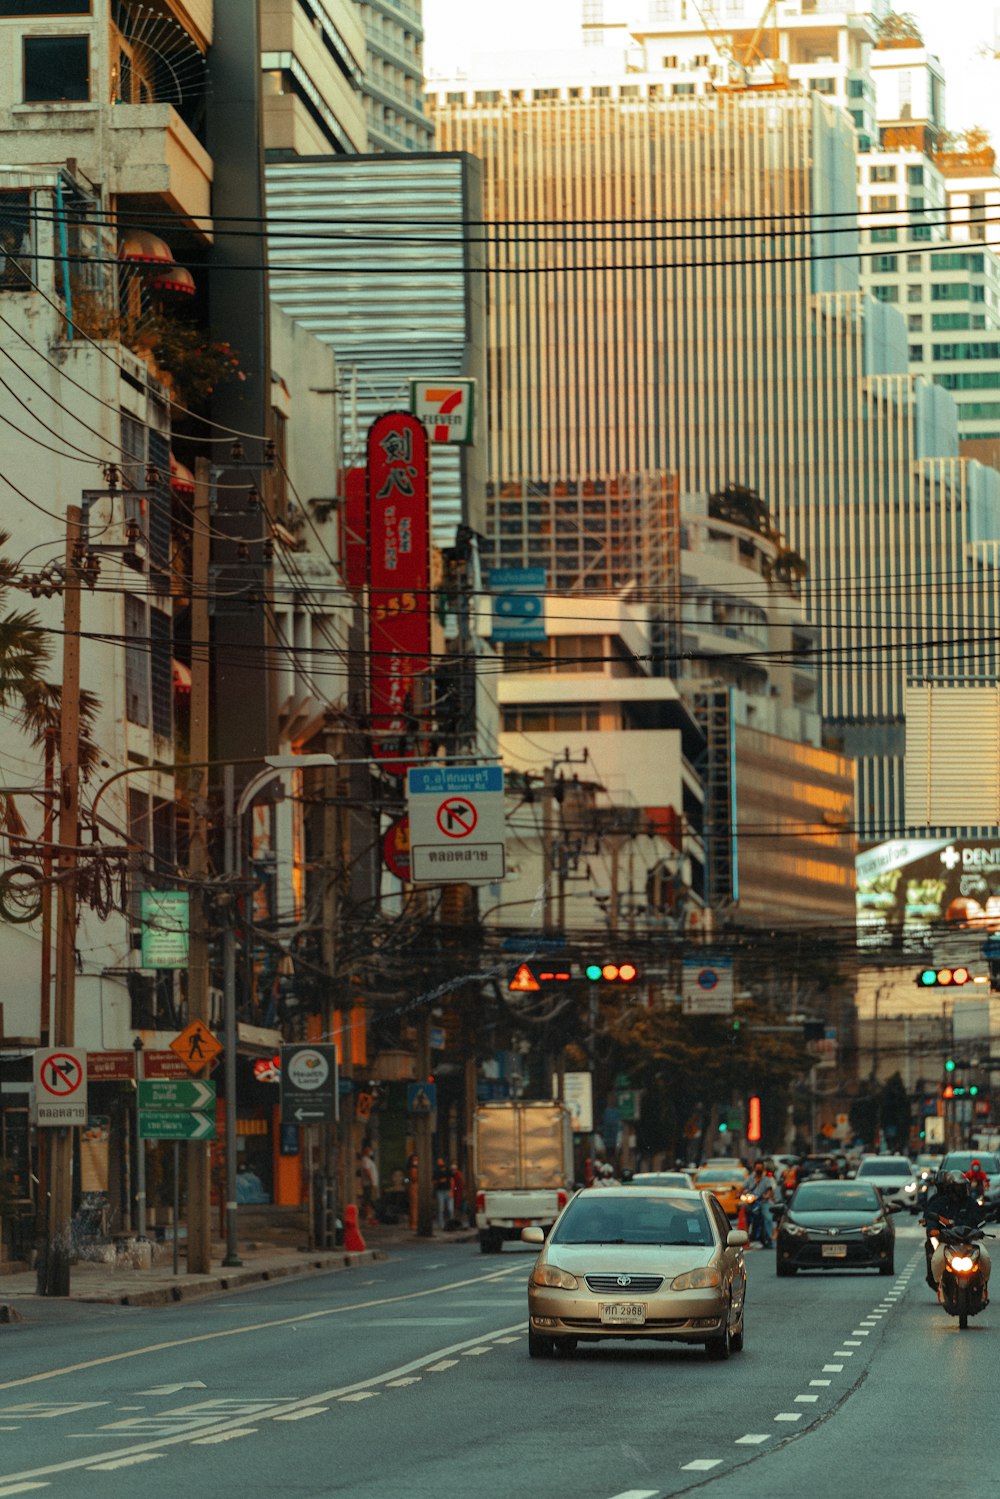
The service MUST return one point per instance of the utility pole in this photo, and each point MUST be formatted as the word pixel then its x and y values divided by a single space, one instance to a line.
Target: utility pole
pixel 548 846
pixel 199 1253
pixel 54 1267
pixel 423 1132
pixel 329 1154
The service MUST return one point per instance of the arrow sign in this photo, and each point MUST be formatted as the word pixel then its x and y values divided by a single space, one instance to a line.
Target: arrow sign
pixel 301 1114
pixel 172 1124
pixel 176 1093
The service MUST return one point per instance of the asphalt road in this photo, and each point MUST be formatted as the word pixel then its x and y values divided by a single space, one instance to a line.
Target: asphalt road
pixel 411 1379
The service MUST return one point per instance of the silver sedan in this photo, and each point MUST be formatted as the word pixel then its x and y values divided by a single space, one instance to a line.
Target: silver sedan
pixel 634 1262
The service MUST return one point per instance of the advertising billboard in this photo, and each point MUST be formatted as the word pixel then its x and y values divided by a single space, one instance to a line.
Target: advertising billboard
pixel 913 891
pixel 399 622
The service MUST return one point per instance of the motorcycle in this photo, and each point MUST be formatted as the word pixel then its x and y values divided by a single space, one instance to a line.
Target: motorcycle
pixel 963 1285
pixel 752 1208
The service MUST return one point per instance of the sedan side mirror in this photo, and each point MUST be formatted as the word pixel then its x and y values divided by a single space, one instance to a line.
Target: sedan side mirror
pixel 737 1238
pixel 532 1235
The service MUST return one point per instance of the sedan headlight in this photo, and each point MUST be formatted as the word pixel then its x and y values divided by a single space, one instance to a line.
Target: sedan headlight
pixel 558 1280
pixel 705 1279
pixel 910 1187
pixel 870 1229
pixel 793 1229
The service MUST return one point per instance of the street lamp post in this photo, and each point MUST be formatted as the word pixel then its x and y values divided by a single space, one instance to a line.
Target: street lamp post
pixel 234 812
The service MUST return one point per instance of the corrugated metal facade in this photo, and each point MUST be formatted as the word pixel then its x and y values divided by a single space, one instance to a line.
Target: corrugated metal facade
pixel 376 264
pixel 638 338
pixel 953 756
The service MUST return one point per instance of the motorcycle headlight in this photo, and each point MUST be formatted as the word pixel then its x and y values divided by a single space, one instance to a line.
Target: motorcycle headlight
pixel 705 1279
pixel 961 1262
pixel 557 1280
pixel 964 1259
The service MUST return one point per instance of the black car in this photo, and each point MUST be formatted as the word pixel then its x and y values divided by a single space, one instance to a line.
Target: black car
pixel 836 1225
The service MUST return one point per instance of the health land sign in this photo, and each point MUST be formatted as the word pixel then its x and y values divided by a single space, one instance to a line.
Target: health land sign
pixel 399 622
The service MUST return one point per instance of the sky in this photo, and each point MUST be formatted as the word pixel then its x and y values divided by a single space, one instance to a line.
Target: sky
pixel 456 30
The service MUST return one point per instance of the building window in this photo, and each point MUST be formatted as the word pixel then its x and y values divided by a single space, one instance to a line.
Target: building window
pixel 855 88
pixel 949 291
pixel 682 88
pixel 915 176
pixel 968 379
pixel 885 263
pixel 913 262
pixel 137 656
pixel 980 410
pixel 16 266
pixel 884 236
pixel 670 61
pixel 915 322
pixel 921 232
pixel 44 8
pixel 947 322
pixel 161 673
pixel 885 293
pixel 454 98
pixel 823 85
pixel 882 173
pixel 700 60
pixel 602 91
pixel 917 353
pixel 914 294
pixel 976 350
pixel 56 69
pixel 883 202
pixel 629 91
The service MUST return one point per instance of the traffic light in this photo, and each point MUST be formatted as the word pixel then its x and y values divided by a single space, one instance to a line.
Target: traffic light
pixel 530 977
pixel 943 978
pixel 609 972
pixel 949 1065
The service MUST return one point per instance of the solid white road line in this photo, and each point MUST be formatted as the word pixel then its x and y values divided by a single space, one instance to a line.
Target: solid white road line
pixel 222 1436
pixel 305 1413
pixel 260 1326
pixel 123 1462
pixel 21 1488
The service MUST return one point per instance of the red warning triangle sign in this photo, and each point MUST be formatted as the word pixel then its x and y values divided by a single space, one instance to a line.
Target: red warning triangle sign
pixel 524 981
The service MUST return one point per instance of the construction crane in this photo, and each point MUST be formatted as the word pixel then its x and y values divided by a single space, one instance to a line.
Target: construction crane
pixel 742 58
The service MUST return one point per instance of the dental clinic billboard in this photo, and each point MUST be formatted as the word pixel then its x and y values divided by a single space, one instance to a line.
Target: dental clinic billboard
pixel 913 891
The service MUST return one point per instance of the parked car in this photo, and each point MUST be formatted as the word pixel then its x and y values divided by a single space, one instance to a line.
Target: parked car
pixel 725 1182
pixel 835 1225
pixel 632 1263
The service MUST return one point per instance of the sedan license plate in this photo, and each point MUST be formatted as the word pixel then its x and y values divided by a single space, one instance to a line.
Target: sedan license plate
pixel 622 1313
pixel 835 1251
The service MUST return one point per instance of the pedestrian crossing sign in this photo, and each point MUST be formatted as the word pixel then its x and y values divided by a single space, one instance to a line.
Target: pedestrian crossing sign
pixel 196 1046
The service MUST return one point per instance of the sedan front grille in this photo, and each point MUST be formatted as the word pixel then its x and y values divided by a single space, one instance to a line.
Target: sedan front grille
pixel 624 1285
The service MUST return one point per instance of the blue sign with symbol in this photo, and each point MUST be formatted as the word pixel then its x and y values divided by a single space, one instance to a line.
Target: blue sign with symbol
pixel 421 1098
pixel 708 978
pixel 518 603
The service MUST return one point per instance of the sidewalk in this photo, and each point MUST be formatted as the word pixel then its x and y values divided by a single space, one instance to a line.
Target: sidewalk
pixel 121 1283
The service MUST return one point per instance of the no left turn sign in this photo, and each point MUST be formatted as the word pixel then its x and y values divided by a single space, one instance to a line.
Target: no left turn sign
pixel 457 817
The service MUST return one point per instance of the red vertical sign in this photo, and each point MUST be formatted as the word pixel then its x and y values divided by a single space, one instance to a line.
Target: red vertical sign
pixel 399 621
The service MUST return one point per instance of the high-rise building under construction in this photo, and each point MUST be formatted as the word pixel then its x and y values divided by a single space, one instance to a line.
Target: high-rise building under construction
pixel 674 288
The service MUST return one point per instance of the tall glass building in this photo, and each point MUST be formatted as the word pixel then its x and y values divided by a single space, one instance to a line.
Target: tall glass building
pixel 673 286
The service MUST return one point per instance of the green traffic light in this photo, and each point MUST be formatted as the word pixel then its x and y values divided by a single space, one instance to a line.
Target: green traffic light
pixel 973 1090
pixel 929 976
pixel 949 1065
pixel 723 1128
pixel 594 971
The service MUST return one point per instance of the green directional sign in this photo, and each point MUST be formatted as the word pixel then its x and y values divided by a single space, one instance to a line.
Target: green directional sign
pixel 176 1093
pixel 173 1124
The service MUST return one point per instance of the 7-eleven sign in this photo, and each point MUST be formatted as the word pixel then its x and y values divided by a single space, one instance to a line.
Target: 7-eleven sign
pixel 446 408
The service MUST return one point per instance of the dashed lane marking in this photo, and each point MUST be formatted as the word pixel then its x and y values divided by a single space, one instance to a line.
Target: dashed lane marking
pixel 833 1368
pixel 637 1494
pixel 508 1340
pixel 849 1344
pixel 305 1413
pixel 752 1439
pixel 20 1488
pixel 358 1395
pixel 474 1352
pixel 844 1353
pixel 789 1416
pixel 446 1363
pixel 701 1465
pixel 224 1436
pixel 823 1382
pixel 806 1399
pixel 124 1462
pixel 399 1384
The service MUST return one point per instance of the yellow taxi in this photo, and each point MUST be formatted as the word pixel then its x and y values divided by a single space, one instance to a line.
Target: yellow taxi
pixel 724 1182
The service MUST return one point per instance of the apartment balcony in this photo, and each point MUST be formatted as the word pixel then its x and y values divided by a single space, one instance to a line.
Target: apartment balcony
pixel 155 157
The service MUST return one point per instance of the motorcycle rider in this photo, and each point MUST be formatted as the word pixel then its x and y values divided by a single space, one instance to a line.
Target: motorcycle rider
pixel 760 1187
pixel 977 1176
pixel 953 1201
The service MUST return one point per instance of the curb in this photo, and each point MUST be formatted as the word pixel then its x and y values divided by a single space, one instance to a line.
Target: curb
pixel 190 1289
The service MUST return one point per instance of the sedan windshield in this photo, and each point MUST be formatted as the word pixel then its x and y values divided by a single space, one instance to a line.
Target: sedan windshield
pixel 593 1218
pixel 961 1160
pixel 834 1197
pixel 885 1168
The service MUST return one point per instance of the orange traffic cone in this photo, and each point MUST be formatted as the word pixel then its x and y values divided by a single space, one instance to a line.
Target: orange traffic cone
pixel 741 1218
pixel 352 1233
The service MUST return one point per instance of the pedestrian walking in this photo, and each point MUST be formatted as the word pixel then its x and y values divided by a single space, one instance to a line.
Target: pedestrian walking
pixel 368 1180
pixel 457 1192
pixel 411 1189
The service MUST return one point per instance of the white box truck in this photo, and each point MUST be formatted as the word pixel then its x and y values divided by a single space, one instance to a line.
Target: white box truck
pixel 524 1168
